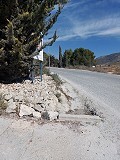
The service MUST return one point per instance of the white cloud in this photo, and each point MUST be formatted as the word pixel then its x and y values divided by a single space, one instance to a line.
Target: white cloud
pixel 66 37
pixel 108 26
pixel 85 19
pixel 74 4
pixel 111 32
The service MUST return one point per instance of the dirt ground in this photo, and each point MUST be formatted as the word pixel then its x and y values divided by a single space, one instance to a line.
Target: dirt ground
pixel 27 140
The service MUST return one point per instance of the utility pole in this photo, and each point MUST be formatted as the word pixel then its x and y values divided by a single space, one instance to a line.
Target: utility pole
pixel 40 56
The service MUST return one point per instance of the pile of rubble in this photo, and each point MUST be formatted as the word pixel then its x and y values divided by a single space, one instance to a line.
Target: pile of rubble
pixel 40 100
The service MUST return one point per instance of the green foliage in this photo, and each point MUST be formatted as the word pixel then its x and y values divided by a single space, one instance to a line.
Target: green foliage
pixel 46 71
pixel 56 78
pixel 21 22
pixel 60 57
pixel 79 56
pixel 67 58
pixel 53 61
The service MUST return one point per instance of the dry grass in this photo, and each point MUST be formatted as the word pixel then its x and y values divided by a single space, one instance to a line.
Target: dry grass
pixel 113 68
pixel 3 105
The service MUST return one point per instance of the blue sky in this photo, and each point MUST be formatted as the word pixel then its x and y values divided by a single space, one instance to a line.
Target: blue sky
pixel 90 24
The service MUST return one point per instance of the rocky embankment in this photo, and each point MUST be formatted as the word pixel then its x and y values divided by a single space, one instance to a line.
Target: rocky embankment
pixel 41 100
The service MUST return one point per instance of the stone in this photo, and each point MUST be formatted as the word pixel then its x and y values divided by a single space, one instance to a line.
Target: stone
pixel 38 100
pixel 45 115
pixel 38 108
pixel 25 110
pixel 11 107
pixel 8 97
pixel 53 115
pixel 29 99
pixel 50 106
pixel 36 114
pixel 44 93
pixel 52 73
pixel 19 98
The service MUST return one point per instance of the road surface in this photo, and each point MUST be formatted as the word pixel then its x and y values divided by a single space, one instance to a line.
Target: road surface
pixel 105 88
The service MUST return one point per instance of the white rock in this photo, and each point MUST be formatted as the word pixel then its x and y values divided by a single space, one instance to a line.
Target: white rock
pixel 49 106
pixel 44 93
pixel 29 99
pixel 25 110
pixel 19 98
pixel 36 114
pixel 38 100
pixel 31 105
pixel 39 108
pixel 8 97
pixel 11 107
pixel 52 73
pixel 27 82
pixel 53 115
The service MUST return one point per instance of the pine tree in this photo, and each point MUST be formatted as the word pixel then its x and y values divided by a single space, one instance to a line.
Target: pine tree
pixel 67 58
pixel 20 28
pixel 60 57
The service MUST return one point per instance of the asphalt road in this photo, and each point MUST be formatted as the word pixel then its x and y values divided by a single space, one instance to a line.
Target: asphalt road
pixel 105 88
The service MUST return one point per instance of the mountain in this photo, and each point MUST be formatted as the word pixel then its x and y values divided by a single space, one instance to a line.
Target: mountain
pixel 108 59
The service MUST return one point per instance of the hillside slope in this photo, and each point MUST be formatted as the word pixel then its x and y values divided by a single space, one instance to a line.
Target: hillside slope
pixel 108 59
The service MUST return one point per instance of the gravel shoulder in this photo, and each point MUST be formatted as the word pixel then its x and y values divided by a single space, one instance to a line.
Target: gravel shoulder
pixel 23 140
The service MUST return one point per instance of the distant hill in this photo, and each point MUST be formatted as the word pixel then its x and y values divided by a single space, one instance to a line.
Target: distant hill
pixel 108 59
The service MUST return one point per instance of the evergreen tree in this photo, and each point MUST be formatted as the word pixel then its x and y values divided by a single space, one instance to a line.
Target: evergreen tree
pixel 89 58
pixel 79 56
pixel 21 22
pixel 67 58
pixel 60 57
pixel 53 61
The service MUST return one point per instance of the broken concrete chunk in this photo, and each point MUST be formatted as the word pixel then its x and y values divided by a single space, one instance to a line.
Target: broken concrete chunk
pixel 53 115
pixel 38 108
pixel 36 114
pixel 11 107
pixel 25 110
pixel 8 97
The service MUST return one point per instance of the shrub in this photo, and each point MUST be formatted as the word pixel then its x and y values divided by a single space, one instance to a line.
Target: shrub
pixel 56 78
pixel 3 105
pixel 46 71
pixel 45 115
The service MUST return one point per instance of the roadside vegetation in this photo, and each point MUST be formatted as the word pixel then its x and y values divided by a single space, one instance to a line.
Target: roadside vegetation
pixel 78 57
pixel 22 26
pixel 3 105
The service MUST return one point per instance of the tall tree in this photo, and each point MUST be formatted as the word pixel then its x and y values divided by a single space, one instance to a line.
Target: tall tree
pixel 79 56
pixel 67 58
pixel 60 57
pixel 20 28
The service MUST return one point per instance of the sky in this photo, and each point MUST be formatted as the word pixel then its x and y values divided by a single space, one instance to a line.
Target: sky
pixel 89 24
